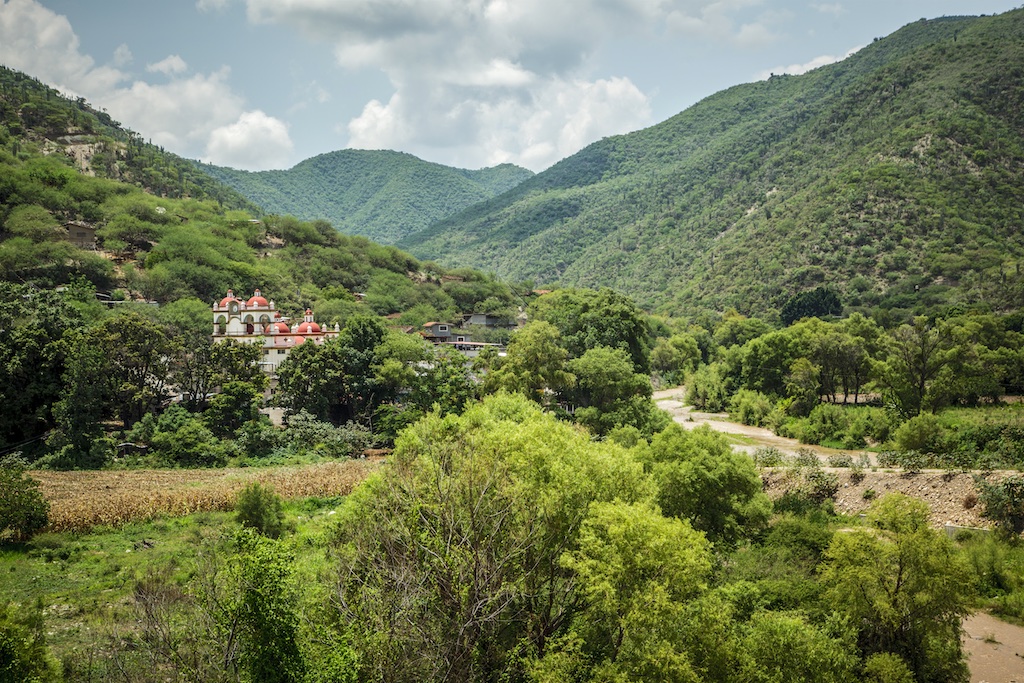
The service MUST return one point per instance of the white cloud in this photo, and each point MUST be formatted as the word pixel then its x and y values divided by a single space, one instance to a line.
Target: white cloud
pixel 182 114
pixel 123 56
pixel 829 8
pixel 255 142
pixel 169 66
pixel 484 80
pixel 41 43
pixel 212 5
pixel 797 69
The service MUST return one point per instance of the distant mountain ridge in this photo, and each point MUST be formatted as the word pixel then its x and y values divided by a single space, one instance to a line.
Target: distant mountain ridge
pixel 895 177
pixel 379 194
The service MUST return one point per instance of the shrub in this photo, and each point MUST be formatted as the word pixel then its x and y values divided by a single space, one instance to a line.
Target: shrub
pixel 768 456
pixel 750 407
pixel 827 422
pixel 885 667
pixel 23 510
pixel 840 460
pixel 921 433
pixel 1003 503
pixel 259 508
pixel 23 652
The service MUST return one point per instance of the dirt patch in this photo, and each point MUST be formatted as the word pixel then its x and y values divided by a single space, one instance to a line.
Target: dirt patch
pixel 952 499
pixel 995 649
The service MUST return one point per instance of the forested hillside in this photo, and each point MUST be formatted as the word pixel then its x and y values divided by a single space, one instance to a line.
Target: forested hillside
pixel 382 195
pixel 895 177
pixel 35 118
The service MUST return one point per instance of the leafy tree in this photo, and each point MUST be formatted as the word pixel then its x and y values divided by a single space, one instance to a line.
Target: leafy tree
pixel 534 364
pixel 904 586
pixel 676 356
pixel 1003 503
pixel 637 569
pixel 784 647
pixel 915 355
pixel 258 507
pixel 31 361
pixel 609 394
pixel 701 479
pixel 23 510
pixel 451 559
pixel 819 302
pixel 586 319
pixel 236 404
pixel 707 388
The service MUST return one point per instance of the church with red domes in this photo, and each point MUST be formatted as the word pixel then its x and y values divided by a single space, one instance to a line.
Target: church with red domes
pixel 257 321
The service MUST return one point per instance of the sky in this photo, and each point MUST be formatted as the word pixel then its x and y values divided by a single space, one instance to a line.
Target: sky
pixel 264 84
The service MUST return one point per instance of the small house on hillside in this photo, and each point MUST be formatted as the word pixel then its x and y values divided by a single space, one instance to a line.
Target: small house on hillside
pixel 440 333
pixel 81 234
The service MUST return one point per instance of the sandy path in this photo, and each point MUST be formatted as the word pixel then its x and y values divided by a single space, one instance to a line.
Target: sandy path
pixel 671 401
pixel 995 649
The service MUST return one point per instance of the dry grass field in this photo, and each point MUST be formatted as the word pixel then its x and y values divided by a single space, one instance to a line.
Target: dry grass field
pixel 82 500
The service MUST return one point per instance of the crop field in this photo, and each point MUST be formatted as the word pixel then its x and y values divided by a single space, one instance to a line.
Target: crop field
pixel 82 500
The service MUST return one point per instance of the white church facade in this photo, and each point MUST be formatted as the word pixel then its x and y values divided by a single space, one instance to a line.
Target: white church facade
pixel 257 321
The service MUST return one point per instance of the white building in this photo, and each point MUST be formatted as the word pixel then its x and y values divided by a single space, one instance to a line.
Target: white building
pixel 257 321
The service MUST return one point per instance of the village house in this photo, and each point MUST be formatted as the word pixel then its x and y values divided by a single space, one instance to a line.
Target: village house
pixel 257 321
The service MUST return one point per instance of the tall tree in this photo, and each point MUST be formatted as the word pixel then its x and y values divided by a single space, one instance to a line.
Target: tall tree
pixel 904 587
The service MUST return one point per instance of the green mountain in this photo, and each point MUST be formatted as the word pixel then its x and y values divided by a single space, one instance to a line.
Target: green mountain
pixel 895 178
pixel 35 118
pixel 83 200
pixel 382 195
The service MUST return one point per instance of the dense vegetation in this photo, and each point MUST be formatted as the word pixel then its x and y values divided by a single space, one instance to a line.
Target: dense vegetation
pixel 539 518
pixel 893 177
pixel 381 194
pixel 34 116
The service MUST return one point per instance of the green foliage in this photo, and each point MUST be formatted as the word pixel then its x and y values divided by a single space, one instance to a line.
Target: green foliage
pixel 380 194
pixel 922 433
pixel 819 302
pixel 905 588
pixel 258 507
pixel 263 611
pixel 534 364
pixel 609 394
pixel 23 653
pixel 1003 503
pixel 707 388
pixel 750 407
pixel 23 510
pixel 892 178
pixel 700 478
pixel 480 508
pixel 785 647
pixel 885 667
pixel 587 319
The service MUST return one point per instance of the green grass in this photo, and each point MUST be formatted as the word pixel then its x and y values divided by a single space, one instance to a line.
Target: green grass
pixel 85 582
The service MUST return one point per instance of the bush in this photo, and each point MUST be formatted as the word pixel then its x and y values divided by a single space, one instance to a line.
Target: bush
pixel 751 407
pixel 768 456
pixel 23 652
pixel 1003 503
pixel 885 667
pixel 259 508
pixel 826 423
pixel 23 511
pixel 921 433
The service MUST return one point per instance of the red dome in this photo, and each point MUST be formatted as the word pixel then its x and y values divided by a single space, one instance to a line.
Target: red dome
pixel 308 328
pixel 282 328
pixel 256 301
pixel 228 299
pixel 299 340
